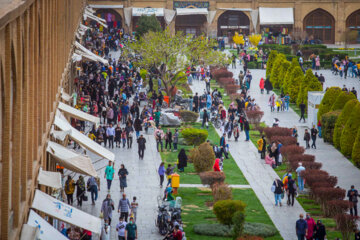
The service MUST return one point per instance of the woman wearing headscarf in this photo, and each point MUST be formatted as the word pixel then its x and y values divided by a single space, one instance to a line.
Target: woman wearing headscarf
pixel 80 190
pixel 216 166
pixel 107 207
pixel 319 231
pixel 182 160
pixel 122 176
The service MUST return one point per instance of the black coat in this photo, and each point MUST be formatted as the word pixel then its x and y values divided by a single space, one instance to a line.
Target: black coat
pixel 268 86
pixel 137 125
pixel 141 143
pixel 182 161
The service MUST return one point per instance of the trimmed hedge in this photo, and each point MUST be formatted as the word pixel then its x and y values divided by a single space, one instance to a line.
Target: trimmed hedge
pixel 203 157
pixel 341 121
pixel 275 71
pixel 220 230
pixel 342 99
pixel 293 83
pixel 225 209
pixel 355 155
pixel 328 100
pixel 328 121
pixel 211 177
pixel 350 130
pixel 194 136
pixel 309 83
pixel 280 48
pixel 293 63
pixel 188 116
pixel 270 62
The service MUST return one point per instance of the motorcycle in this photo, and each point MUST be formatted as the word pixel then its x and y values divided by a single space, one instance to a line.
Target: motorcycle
pixel 163 220
pixel 215 119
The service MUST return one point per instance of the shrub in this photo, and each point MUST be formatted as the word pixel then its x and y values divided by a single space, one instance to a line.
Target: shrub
pixel 328 121
pixel 226 81
pixel 283 70
pixel 350 130
pixel 346 224
pixel 328 100
pixel 221 73
pixel 220 230
pixel 335 207
pixel 294 82
pixel 239 221
pixel 249 237
pixel 285 140
pixel 221 191
pixel 143 74
pixel 276 131
pixel 188 116
pixel 355 155
pixel 341 121
pixel 294 63
pixel 235 96
pixel 275 71
pixel 324 195
pixel 342 99
pixel 270 62
pixel 211 177
pixel 225 209
pixel 232 88
pixel 254 116
pixel 309 83
pixel 308 165
pixel 287 151
pixel 194 136
pixel 323 185
pixel 203 157
pixel 301 158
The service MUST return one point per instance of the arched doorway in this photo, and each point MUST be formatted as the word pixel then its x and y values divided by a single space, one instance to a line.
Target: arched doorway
pixel 353 23
pixel 233 21
pixel 320 25
pixel 190 24
pixel 112 17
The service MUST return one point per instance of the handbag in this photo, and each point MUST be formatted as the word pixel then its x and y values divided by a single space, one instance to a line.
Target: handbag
pixel 85 198
pixel 273 188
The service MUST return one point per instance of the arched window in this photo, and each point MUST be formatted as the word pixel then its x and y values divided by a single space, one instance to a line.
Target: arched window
pixel 353 23
pixel 233 21
pixel 320 25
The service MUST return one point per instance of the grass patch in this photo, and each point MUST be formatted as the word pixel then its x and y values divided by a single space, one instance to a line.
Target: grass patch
pixel 232 171
pixel 198 197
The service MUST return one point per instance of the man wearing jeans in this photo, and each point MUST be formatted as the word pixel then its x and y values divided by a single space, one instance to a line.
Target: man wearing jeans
pixel 93 187
pixel 301 228
pixel 300 179
pixel 110 133
pixel 123 207
pixel 109 175
pixel 287 102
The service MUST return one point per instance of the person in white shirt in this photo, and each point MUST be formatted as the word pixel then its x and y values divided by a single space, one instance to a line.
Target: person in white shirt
pixel 105 231
pixel 120 228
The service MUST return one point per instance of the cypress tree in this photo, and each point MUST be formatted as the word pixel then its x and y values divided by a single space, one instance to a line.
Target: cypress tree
pixel 328 100
pixel 283 70
pixel 275 71
pixel 309 83
pixel 342 99
pixel 294 82
pixel 270 62
pixel 356 150
pixel 294 63
pixel 350 130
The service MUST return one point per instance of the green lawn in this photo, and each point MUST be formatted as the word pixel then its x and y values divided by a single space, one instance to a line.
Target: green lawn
pixel 195 199
pixel 232 171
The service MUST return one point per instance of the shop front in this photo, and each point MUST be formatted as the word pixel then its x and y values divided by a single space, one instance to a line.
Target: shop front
pixel 232 21
pixel 191 20
pixel 276 24
pixel 138 12
pixel 111 16
pixel 320 26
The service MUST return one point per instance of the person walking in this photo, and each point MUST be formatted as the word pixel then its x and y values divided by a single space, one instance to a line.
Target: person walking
pixel 93 187
pixel 175 139
pixel 69 190
pixel 137 127
pixel 262 85
pixel 301 228
pixel 161 172
pixel 80 190
pixel 123 172
pixel 157 115
pixel 205 119
pixel 123 137
pixel 182 158
pixel 118 132
pixel 320 231
pixel 141 146
pixel 287 102
pixel 247 129
pixel 107 207
pixel 109 175
pixel 134 207
pixel 277 189
pixel 272 102
pixel 159 136
pixel 302 107
pixel 307 139
pixel 262 147
pixel 169 172
pixel 291 190
pixel 168 139
pixel 129 138
pixel 311 225
pixel 131 230
pixel 123 207
pixel 110 133
pixel 314 133
pixel 120 228
pixel 299 170
pixel 268 86
pixel 353 194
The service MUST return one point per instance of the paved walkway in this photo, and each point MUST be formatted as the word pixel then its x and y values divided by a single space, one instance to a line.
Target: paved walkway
pixel 333 161
pixel 206 186
pixel 260 177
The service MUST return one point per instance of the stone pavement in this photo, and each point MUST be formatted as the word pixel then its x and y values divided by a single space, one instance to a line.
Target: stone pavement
pixel 332 160
pixel 261 177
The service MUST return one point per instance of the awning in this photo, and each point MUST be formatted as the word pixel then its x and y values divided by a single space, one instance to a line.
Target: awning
pixel 237 9
pixel 83 51
pixel 191 11
pixel 59 135
pixel 64 95
pixel 276 16
pixel 78 114
pixel 46 231
pixel 60 210
pixel 50 179
pixel 90 14
pixel 29 232
pixel 137 12
pixel 61 122
pixel 100 6
pixel 71 160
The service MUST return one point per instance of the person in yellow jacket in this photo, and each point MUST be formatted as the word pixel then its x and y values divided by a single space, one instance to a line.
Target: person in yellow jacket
pixel 69 189
pixel 262 146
